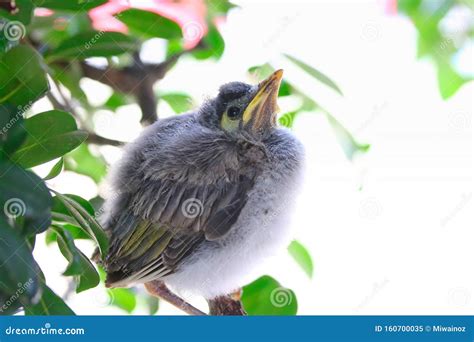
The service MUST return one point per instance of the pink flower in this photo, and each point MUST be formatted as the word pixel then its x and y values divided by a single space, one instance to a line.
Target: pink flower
pixel 189 14
pixel 43 12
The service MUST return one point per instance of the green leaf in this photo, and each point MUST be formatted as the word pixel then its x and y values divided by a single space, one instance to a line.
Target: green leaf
pixel 61 218
pixel 12 308
pixel 218 7
pixel 22 78
pixel 285 89
pixel 265 296
pixel 115 101
pixel 86 221
pixel 65 25
pixel 69 250
pixel 19 284
pixel 434 43
pixel 59 207
pixel 41 26
pixel 97 203
pixel 50 135
pixel 213 44
pixel 409 6
pixel 349 145
pixel 78 264
pixel 56 170
pixel 314 73
pixel 93 44
pixel 50 237
pixel 123 298
pixel 179 102
pixel 69 5
pixel 61 214
pixel 12 132
pixel 24 197
pixel 302 257
pixel 174 47
pixel 78 22
pixel 149 25
pixel 449 81
pixel 70 78
pixel 260 72
pixel 82 161
pixel 50 304
pixel 76 232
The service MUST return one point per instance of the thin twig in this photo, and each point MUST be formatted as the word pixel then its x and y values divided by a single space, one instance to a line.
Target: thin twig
pixel 92 137
pixel 67 104
pixel 99 140
pixel 137 80
pixel 159 289
pixel 56 104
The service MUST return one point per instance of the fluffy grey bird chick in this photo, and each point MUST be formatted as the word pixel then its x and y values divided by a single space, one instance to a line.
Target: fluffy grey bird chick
pixel 202 198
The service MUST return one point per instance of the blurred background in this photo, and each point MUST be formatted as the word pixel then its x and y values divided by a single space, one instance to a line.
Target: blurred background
pixel 379 93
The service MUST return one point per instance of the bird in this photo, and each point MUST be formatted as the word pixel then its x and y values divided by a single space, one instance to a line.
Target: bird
pixel 200 200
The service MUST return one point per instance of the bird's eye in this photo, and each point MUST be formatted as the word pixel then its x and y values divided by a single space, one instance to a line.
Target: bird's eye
pixel 233 112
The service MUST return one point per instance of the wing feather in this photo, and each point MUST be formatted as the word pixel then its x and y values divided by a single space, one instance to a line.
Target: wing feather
pixel 151 235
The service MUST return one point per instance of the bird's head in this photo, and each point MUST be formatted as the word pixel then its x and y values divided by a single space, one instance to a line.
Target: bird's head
pixel 243 110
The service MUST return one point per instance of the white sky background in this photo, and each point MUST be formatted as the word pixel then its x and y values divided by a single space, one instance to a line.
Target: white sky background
pixel 403 244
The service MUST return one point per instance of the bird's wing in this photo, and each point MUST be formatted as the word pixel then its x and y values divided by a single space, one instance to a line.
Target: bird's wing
pixel 162 232
pixel 180 184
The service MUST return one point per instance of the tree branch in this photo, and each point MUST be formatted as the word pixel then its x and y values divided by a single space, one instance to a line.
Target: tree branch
pixel 136 80
pixel 99 140
pixel 229 305
pixel 159 289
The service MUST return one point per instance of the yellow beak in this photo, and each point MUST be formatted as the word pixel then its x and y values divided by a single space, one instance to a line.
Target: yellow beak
pixel 261 112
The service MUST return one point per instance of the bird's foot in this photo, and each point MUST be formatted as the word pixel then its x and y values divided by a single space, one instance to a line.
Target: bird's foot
pixel 228 305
